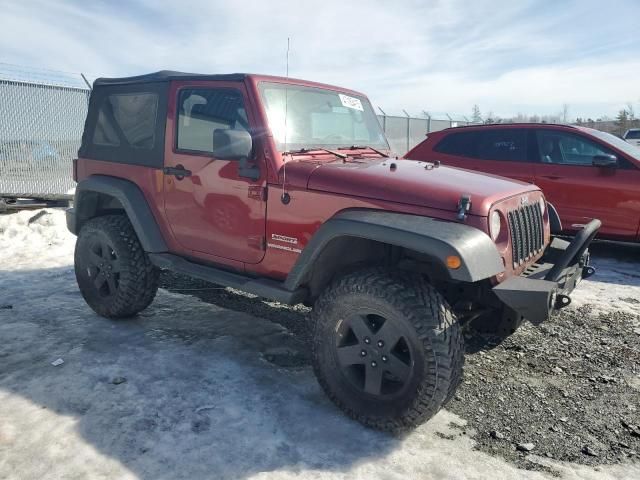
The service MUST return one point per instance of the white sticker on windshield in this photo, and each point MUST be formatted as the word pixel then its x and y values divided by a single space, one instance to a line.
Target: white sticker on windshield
pixel 351 102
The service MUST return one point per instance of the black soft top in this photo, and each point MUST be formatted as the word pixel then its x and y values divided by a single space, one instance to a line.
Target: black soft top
pixel 167 76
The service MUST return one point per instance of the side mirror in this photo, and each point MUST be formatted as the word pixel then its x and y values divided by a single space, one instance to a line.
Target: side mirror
pixel 605 161
pixel 231 144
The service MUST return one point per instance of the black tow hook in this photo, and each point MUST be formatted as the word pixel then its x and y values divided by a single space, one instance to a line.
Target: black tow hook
pixel 588 271
pixel 562 301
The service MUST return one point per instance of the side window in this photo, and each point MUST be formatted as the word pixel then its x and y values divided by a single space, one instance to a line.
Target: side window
pixel 563 148
pixel 632 135
pixel 203 110
pixel 462 144
pixel 508 144
pixel 128 118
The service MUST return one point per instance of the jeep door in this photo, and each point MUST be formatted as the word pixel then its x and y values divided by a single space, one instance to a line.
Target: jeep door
pixel 212 208
pixel 581 191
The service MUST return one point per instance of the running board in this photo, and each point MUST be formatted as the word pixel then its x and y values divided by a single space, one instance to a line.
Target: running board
pixel 265 288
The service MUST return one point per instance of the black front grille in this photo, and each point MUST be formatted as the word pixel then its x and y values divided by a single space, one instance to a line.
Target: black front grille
pixel 527 232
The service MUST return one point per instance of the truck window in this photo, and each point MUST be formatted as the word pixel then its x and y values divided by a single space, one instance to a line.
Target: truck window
pixel 632 135
pixel 203 110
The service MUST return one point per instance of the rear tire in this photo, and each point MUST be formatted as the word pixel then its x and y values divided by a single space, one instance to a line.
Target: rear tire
pixel 387 348
pixel 114 274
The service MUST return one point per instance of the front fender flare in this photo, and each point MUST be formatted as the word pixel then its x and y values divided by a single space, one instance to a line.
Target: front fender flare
pixel 434 238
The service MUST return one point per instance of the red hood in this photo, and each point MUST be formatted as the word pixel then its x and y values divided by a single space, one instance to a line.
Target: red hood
pixel 410 183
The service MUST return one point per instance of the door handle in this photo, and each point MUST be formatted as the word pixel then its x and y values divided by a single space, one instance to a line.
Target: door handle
pixel 178 171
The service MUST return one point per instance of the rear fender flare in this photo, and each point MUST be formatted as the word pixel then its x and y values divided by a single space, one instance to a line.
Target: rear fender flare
pixel 132 200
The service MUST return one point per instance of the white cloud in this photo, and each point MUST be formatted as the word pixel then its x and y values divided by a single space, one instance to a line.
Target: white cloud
pixel 434 55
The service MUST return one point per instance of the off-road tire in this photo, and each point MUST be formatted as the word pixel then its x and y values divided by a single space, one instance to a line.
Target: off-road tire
pixel 432 331
pixel 136 279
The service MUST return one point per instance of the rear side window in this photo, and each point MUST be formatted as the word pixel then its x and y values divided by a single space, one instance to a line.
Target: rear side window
pixel 462 144
pixel 497 144
pixel 203 110
pixel 508 144
pixel 129 118
pixel 126 124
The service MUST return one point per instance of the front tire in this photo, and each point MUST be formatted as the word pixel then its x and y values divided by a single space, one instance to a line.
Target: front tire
pixel 387 348
pixel 114 274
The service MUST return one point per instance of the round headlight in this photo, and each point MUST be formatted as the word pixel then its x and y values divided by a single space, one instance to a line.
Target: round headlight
pixel 543 205
pixel 495 225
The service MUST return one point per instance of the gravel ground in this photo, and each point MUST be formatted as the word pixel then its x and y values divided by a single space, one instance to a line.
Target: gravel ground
pixel 567 390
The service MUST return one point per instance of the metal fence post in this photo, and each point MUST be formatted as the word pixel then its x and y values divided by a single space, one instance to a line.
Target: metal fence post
pixel 408 130
pixel 450 120
pixel 384 120
pixel 426 114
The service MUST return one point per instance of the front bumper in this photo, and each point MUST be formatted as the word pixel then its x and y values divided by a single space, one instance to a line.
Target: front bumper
pixel 545 286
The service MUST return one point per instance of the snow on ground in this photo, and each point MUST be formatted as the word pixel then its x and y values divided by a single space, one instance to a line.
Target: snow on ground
pixel 200 400
pixel 616 283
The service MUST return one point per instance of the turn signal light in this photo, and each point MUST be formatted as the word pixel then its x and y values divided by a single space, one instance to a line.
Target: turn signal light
pixel 453 262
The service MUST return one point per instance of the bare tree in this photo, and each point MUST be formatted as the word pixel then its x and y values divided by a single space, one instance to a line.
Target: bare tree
pixel 565 113
pixel 622 122
pixel 476 116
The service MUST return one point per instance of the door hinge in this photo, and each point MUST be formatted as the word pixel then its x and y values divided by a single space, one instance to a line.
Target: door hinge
pixel 258 192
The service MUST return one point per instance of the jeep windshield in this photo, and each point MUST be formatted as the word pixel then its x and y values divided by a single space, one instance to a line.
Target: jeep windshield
pixel 308 118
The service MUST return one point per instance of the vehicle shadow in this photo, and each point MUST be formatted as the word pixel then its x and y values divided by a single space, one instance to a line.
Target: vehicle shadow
pixel 184 390
pixel 616 263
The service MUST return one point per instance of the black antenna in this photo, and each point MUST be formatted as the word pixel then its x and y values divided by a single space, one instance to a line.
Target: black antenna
pixel 285 198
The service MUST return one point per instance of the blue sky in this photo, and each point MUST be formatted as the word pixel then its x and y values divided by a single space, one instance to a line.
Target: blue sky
pixel 508 57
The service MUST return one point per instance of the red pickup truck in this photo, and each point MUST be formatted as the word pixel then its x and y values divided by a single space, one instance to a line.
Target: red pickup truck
pixel 285 189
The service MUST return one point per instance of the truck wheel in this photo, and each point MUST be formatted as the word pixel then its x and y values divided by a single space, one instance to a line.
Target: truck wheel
pixel 114 274
pixel 387 348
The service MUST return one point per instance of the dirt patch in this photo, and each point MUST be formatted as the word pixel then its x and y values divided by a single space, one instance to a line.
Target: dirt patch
pixel 569 387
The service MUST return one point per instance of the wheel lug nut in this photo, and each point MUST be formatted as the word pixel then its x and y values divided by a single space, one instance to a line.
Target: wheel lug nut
pixel 380 343
pixel 384 358
pixel 367 340
pixel 374 364
pixel 363 353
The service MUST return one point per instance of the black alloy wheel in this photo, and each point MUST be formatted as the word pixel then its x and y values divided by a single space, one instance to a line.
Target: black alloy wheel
pixel 374 354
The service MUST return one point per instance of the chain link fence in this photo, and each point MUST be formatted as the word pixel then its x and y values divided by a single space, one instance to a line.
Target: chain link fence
pixel 41 121
pixel 42 115
pixel 406 132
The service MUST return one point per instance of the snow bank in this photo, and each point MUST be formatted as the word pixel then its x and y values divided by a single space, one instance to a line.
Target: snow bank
pixel 199 401
pixel 37 239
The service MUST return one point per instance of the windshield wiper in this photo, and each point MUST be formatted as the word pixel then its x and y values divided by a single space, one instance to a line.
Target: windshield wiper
pixel 363 147
pixel 307 150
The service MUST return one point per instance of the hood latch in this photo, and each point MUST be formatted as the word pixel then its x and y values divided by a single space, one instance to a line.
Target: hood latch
pixel 464 205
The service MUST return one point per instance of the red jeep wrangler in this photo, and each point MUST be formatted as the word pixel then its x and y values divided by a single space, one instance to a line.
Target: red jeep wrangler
pixel 285 189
